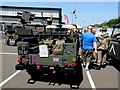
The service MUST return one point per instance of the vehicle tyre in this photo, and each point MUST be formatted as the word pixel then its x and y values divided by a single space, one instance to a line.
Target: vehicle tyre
pixel 8 42
pixel 15 44
pixel 5 41
pixel 31 73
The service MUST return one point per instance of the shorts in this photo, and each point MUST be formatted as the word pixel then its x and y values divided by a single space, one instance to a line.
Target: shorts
pixel 87 55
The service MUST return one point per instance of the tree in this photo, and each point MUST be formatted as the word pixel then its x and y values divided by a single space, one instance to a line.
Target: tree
pixel 110 23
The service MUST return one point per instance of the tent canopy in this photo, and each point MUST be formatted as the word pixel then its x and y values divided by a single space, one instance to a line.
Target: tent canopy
pixel 51 26
pixel 79 26
pixel 70 26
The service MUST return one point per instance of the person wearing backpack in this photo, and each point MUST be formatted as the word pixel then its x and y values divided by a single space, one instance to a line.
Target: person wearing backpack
pixel 103 44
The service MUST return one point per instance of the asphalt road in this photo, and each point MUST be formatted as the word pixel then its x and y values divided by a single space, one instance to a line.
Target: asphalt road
pixel 103 79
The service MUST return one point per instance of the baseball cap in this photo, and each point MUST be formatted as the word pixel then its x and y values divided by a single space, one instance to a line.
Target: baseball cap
pixel 89 27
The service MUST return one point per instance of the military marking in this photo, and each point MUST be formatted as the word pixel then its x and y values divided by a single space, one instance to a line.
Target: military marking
pixel 112 48
pixel 91 80
pixel 56 59
pixel 5 81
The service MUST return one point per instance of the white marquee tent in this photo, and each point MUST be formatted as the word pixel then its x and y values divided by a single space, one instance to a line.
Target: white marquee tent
pixel 70 26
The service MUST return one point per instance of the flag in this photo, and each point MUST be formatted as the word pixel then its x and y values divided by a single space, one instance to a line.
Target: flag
pixel 42 14
pixel 34 58
pixel 75 16
pixel 74 12
pixel 66 19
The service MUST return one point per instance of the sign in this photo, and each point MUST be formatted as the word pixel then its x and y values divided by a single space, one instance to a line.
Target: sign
pixel 23 50
pixel 43 50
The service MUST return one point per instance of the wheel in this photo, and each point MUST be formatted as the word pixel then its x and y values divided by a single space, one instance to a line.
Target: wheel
pixel 5 41
pixel 8 42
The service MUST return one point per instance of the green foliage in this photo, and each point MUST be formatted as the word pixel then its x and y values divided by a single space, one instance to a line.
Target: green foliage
pixel 110 23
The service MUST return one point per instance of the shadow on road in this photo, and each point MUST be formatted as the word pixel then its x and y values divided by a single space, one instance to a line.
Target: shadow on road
pixel 115 64
pixel 74 80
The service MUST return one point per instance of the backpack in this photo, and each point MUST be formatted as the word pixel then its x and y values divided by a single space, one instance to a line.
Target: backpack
pixel 58 47
pixel 104 40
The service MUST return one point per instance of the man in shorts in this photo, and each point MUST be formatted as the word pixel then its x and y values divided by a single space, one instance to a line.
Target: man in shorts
pixel 89 47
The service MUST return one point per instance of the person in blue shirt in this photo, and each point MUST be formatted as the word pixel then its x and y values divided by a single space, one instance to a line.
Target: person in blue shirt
pixel 89 47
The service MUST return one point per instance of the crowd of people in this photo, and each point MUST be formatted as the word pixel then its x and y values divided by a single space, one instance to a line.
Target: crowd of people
pixel 94 47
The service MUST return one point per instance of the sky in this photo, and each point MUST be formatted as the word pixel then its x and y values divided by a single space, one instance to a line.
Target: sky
pixel 88 13
pixel 119 9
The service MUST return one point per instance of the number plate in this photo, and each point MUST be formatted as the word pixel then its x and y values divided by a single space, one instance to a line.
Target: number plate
pixel 22 50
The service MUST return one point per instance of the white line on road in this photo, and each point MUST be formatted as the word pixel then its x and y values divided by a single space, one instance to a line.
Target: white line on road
pixel 91 80
pixel 9 53
pixel 87 72
pixel 5 81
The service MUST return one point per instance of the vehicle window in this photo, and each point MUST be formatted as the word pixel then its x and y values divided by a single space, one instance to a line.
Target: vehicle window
pixel 18 27
pixel 116 33
pixel 10 28
pixel 50 29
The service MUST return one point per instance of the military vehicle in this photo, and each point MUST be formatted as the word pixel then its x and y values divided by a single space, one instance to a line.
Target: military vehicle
pixel 48 50
pixel 114 52
pixel 15 33
pixel 9 35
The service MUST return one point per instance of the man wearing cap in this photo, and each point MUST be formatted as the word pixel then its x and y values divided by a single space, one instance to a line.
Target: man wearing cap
pixel 100 32
pixel 89 46
pixel 104 40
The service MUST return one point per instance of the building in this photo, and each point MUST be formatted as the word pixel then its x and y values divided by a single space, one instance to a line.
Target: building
pixel 8 14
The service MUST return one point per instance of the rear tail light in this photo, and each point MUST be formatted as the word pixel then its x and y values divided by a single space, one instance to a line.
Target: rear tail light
pixel 38 67
pixel 66 74
pixel 51 68
pixel 65 63
pixel 26 61
pixel 74 64
pixel 19 61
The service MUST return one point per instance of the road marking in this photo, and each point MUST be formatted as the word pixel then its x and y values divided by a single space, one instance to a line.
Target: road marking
pixel 5 81
pixel 91 80
pixel 9 53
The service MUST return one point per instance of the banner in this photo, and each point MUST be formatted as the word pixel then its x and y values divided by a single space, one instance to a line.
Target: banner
pixel 66 19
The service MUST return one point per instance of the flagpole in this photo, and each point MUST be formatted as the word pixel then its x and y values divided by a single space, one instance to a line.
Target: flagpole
pixel 74 13
pixel 75 19
pixel 72 16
